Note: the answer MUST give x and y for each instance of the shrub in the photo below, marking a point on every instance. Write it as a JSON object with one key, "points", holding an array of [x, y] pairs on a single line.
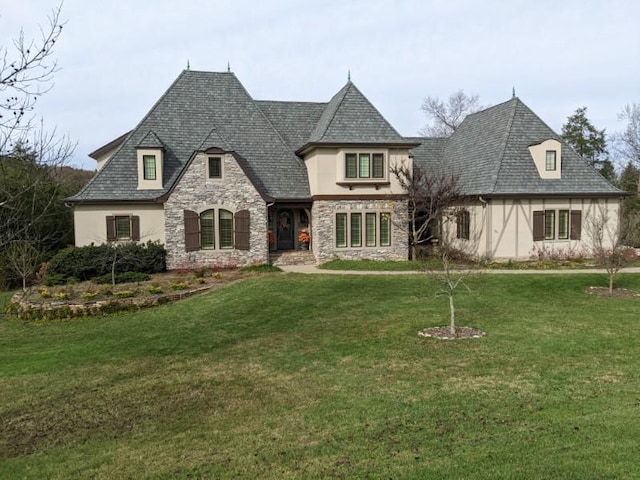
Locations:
{"points": [[85, 263]]}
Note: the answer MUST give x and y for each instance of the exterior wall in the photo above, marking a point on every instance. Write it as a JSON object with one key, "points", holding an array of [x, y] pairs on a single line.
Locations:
{"points": [[323, 242], [90, 221], [503, 228], [326, 169], [159, 156], [196, 192], [539, 154]]}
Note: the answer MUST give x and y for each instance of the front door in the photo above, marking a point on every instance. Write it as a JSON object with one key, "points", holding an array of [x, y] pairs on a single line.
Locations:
{"points": [[285, 230]]}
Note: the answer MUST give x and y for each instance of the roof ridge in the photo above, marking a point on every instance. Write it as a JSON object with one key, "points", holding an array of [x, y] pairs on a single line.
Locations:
{"points": [[515, 101], [342, 91]]}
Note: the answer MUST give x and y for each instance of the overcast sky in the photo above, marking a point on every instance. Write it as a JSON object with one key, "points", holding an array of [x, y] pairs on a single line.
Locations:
{"points": [[117, 57]]}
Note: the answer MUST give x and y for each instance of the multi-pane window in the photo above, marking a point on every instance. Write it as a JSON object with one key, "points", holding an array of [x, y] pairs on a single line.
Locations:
{"points": [[563, 224], [557, 225], [364, 165], [463, 224], [370, 229], [215, 167], [550, 160], [149, 167], [123, 228], [549, 224], [226, 229], [209, 232], [350, 229]]}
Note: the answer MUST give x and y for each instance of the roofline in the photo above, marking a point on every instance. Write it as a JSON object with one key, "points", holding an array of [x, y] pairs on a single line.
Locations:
{"points": [[111, 201], [555, 195], [112, 144], [310, 146]]}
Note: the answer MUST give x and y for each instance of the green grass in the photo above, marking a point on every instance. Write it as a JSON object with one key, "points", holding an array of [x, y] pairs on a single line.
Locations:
{"points": [[380, 265], [293, 376]]}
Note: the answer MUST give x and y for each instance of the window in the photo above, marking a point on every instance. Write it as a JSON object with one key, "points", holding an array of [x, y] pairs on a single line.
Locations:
{"points": [[549, 224], [557, 225], [215, 167], [370, 229], [563, 224], [550, 161], [349, 229], [149, 167], [341, 230], [216, 229], [364, 165], [123, 228], [463, 224]]}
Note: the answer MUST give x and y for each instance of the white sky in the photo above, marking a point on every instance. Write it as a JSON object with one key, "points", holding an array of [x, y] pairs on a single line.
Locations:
{"points": [[117, 57]]}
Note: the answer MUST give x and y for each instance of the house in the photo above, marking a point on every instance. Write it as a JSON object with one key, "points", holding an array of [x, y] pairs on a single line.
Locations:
{"points": [[222, 179]]}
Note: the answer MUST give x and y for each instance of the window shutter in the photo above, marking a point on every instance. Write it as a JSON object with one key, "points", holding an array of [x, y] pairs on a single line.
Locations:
{"points": [[242, 225], [111, 229], [191, 231], [538, 225], [576, 224], [459, 225], [135, 228]]}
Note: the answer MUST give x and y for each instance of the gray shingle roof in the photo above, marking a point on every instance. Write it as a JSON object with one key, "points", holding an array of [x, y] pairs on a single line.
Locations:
{"points": [[490, 152], [197, 109], [294, 120], [150, 140], [350, 118]]}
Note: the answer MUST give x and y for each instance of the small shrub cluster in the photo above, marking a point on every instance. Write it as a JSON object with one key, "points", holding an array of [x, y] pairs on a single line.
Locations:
{"points": [[85, 263]]}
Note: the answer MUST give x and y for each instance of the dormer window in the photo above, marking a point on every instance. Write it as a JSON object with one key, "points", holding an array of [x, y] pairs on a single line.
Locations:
{"points": [[150, 153], [547, 158], [149, 167], [364, 165], [550, 161]]}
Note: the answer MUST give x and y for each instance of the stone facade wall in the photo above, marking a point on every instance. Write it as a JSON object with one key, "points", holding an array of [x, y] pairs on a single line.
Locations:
{"points": [[232, 192], [324, 218]]}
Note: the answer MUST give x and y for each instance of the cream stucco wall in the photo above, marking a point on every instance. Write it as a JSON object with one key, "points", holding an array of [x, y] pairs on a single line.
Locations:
{"points": [[90, 221], [539, 154], [503, 228], [326, 170]]}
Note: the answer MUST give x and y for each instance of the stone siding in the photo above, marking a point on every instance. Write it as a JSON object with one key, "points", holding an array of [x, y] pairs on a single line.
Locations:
{"points": [[232, 192], [324, 214]]}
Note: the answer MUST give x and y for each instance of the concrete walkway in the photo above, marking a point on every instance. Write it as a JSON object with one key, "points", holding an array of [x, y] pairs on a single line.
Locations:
{"points": [[312, 269]]}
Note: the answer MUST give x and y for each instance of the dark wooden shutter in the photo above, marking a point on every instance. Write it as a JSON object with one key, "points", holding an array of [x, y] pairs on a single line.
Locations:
{"points": [[135, 228], [576, 224], [242, 225], [191, 231], [538, 225], [459, 225], [111, 229]]}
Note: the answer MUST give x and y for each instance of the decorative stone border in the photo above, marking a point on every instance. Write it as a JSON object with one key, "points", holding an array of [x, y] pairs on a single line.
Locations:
{"points": [[58, 309]]}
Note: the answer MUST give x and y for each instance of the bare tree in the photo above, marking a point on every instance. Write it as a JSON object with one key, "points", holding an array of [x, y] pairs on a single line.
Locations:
{"points": [[432, 197], [444, 117], [22, 259], [29, 155], [449, 280], [607, 249], [629, 139]]}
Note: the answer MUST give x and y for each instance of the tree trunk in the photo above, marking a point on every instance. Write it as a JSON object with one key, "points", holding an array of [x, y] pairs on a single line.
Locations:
{"points": [[611, 283], [452, 309]]}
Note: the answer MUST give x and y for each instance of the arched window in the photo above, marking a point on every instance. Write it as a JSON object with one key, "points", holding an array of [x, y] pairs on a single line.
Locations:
{"points": [[215, 229]]}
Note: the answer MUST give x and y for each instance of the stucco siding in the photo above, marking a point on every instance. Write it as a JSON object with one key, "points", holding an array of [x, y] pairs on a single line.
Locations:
{"points": [[90, 221]]}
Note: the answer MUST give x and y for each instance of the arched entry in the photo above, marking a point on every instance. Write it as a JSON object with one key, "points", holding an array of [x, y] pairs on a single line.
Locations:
{"points": [[285, 230]]}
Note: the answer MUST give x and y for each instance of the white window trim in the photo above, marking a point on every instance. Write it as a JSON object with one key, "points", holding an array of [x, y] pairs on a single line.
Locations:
{"points": [[342, 166]]}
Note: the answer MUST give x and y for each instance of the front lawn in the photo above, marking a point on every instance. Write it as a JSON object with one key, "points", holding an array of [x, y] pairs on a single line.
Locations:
{"points": [[303, 376]]}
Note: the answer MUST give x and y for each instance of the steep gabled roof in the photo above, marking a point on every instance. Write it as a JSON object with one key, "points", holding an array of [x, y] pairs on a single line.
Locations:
{"points": [[490, 151], [349, 118], [150, 140], [201, 107]]}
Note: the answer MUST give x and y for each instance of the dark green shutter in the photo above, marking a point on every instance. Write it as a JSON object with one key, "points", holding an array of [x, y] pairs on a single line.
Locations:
{"points": [[538, 225], [135, 228], [111, 229], [576, 224]]}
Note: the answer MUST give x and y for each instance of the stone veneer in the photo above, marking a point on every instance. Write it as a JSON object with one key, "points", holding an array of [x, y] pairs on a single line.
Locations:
{"points": [[323, 214], [232, 192]]}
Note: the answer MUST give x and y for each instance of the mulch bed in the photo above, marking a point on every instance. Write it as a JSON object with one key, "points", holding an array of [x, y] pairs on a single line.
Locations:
{"points": [[444, 333], [617, 292]]}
